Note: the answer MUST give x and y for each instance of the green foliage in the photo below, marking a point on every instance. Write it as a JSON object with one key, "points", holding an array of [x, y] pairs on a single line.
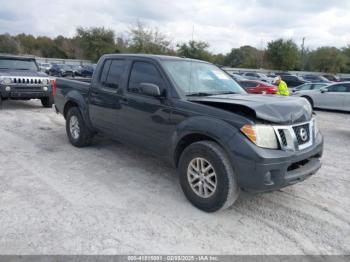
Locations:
{"points": [[245, 57], [91, 43], [195, 50], [95, 42], [148, 40], [327, 59], [283, 54], [8, 44]]}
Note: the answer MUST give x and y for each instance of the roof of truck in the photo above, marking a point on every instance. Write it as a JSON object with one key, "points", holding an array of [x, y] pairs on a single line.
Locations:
{"points": [[156, 57]]}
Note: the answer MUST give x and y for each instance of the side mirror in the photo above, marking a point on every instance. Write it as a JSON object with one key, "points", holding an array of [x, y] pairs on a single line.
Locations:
{"points": [[323, 89], [150, 89]]}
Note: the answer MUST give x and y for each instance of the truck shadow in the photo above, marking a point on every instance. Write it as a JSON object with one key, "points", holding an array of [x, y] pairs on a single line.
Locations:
{"points": [[20, 104]]}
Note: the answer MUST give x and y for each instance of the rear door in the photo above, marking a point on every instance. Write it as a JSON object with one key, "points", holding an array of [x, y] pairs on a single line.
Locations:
{"points": [[346, 104], [104, 99], [144, 120]]}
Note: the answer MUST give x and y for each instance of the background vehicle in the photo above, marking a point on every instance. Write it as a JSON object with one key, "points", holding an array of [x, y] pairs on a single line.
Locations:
{"points": [[331, 78], [76, 69], [292, 80], [309, 86], [237, 77], [335, 96], [316, 79], [87, 71], [197, 117], [45, 67], [21, 79], [61, 70], [258, 87], [257, 76], [344, 79]]}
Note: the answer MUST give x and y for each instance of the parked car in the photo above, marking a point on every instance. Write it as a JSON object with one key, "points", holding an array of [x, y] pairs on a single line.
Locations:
{"points": [[344, 79], [61, 70], [331, 77], [237, 77], [45, 67], [334, 96], [310, 86], [76, 69], [258, 87], [87, 71], [293, 80], [257, 76], [316, 79], [196, 116], [21, 79]]}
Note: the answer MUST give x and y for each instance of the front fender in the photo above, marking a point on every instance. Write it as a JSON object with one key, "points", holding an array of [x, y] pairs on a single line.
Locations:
{"points": [[218, 130]]}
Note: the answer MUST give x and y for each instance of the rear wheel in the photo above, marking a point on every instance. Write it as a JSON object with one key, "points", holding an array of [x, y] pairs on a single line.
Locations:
{"points": [[206, 176], [78, 133]]}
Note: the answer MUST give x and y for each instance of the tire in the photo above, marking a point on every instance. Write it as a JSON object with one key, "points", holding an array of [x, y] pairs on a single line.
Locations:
{"points": [[47, 101], [83, 136], [226, 191], [309, 99]]}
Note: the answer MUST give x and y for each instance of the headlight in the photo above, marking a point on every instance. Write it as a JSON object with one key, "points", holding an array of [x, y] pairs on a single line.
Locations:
{"points": [[5, 81], [261, 135], [45, 82]]}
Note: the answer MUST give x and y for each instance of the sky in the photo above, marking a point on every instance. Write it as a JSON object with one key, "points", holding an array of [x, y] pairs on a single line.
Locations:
{"points": [[224, 24]]}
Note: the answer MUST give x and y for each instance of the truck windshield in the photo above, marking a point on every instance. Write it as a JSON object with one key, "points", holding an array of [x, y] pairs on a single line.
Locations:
{"points": [[201, 78], [17, 64]]}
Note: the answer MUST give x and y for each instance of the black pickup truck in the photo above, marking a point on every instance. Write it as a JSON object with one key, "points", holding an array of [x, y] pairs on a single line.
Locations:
{"points": [[193, 114], [21, 79]]}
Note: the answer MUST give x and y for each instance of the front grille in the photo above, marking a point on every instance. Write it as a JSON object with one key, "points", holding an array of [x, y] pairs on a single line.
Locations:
{"points": [[283, 137], [302, 133], [295, 137], [27, 88], [29, 81]]}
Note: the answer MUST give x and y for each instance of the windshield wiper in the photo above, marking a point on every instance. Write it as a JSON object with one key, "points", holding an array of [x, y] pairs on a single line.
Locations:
{"points": [[22, 69], [226, 93]]}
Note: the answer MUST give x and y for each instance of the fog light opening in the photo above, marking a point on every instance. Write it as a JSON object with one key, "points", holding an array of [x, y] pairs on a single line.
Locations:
{"points": [[45, 88], [8, 89], [268, 179]]}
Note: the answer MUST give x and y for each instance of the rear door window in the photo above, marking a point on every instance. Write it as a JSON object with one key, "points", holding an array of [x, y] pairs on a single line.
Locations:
{"points": [[113, 72]]}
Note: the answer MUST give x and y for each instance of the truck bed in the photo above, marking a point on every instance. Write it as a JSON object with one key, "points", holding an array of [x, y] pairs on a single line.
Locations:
{"points": [[65, 86]]}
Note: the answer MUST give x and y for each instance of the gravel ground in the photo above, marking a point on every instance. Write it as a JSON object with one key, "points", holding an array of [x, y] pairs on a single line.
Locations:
{"points": [[111, 199]]}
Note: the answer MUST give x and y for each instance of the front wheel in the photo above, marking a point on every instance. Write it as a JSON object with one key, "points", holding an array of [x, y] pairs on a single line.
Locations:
{"points": [[47, 101], [207, 177], [78, 133]]}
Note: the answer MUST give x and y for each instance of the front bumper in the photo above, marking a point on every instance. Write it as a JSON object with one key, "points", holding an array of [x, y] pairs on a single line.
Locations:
{"points": [[260, 169], [24, 92]]}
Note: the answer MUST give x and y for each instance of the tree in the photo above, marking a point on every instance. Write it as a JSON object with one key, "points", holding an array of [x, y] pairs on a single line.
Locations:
{"points": [[328, 59], [283, 54], [8, 44], [346, 53], [195, 50], [148, 40], [245, 57], [95, 42]]}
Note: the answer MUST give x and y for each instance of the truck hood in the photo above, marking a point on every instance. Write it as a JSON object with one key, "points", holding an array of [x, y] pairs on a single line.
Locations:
{"points": [[274, 109], [24, 73]]}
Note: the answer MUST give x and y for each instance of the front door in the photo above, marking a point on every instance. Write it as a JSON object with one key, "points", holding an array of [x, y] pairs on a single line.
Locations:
{"points": [[333, 98], [144, 120]]}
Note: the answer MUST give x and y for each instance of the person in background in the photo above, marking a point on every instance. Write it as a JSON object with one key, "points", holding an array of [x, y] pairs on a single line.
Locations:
{"points": [[281, 86]]}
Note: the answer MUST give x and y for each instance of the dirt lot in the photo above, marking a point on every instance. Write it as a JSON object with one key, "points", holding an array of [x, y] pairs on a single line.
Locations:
{"points": [[111, 199]]}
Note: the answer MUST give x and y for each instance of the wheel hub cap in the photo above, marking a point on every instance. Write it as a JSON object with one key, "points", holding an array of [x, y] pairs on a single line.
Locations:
{"points": [[74, 127], [202, 177]]}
